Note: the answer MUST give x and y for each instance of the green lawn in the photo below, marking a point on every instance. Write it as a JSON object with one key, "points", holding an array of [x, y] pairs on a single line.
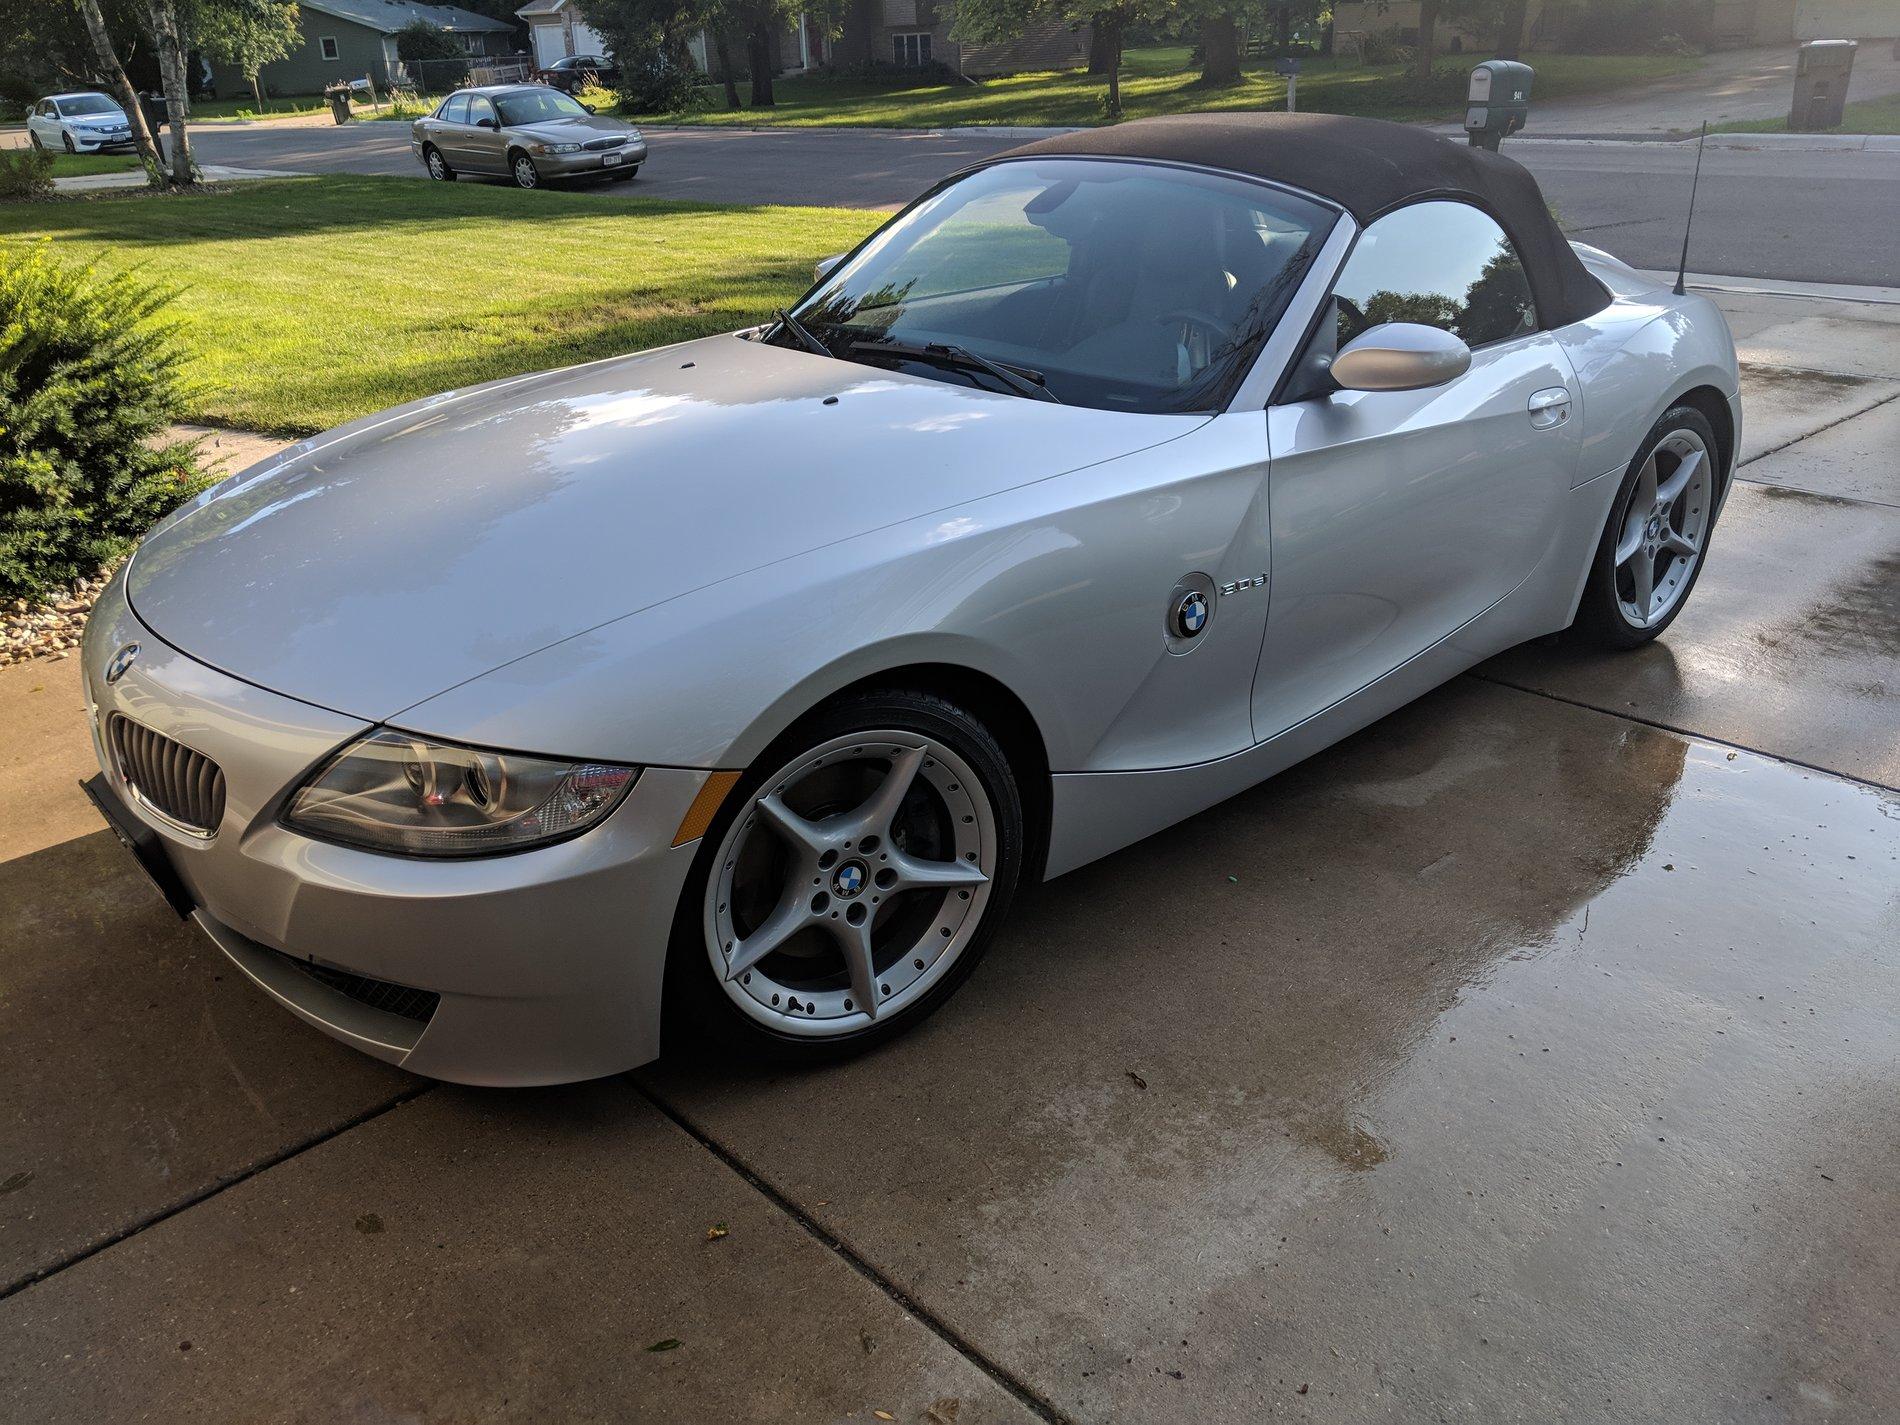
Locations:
{"points": [[1160, 82], [1867, 116], [310, 301], [244, 106], [77, 165]]}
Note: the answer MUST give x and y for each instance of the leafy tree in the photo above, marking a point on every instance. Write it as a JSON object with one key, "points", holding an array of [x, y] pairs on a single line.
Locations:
{"points": [[105, 53], [648, 40], [249, 34], [437, 58]]}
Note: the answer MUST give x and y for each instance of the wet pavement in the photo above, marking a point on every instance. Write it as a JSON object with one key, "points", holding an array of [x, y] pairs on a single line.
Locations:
{"points": [[1531, 1055]]}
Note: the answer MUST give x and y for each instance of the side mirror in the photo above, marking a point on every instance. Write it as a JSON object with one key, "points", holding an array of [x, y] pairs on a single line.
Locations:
{"points": [[486, 124], [588, 107], [1400, 356], [823, 267]]}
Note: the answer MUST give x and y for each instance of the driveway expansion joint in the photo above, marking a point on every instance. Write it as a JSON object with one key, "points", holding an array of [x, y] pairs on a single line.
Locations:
{"points": [[1020, 1391], [216, 1188]]}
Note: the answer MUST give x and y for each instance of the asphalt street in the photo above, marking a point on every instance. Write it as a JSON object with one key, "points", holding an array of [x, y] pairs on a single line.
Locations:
{"points": [[1531, 1055], [1762, 212]]}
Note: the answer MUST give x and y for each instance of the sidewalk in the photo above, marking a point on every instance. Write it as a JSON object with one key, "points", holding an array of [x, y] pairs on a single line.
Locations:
{"points": [[135, 178]]}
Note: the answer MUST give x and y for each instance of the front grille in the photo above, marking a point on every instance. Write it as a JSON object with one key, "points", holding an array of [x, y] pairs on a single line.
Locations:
{"points": [[185, 786], [594, 145], [401, 1000]]}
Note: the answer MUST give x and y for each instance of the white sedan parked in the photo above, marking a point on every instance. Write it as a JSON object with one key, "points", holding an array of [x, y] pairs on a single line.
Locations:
{"points": [[79, 123]]}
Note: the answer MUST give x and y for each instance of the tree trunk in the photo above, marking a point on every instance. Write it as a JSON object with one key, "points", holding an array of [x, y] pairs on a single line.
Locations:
{"points": [[1283, 28], [1511, 28], [1105, 41], [1107, 46], [759, 55], [722, 50], [257, 89], [1427, 23], [121, 88], [169, 49], [1220, 50]]}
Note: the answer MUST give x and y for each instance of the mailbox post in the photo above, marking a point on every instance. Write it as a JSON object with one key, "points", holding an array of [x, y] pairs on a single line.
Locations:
{"points": [[1290, 69], [1497, 102]]}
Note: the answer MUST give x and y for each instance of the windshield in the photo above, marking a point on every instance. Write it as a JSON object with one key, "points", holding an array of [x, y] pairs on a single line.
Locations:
{"points": [[86, 104], [1117, 285], [536, 106]]}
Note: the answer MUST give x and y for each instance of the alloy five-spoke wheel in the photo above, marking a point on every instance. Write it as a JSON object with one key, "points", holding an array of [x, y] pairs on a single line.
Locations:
{"points": [[851, 883], [850, 888], [1658, 533], [1665, 523]]}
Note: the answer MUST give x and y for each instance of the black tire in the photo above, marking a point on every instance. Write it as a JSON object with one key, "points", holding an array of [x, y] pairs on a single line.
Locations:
{"points": [[1601, 619], [436, 164], [702, 1022], [523, 171], [33, 140], [68, 138]]}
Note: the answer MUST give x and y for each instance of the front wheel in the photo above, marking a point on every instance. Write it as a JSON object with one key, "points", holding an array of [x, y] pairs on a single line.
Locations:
{"points": [[851, 882], [1652, 549], [438, 166], [68, 139], [526, 174]]}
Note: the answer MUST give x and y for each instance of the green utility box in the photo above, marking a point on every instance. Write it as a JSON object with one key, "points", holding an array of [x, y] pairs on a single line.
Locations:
{"points": [[1821, 73], [1497, 102]]}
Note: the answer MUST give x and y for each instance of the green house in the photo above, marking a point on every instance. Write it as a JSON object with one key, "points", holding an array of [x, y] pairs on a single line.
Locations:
{"points": [[356, 39]]}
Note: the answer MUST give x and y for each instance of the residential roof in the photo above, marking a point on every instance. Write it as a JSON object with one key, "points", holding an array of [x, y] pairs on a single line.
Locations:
{"points": [[540, 7], [389, 16]]}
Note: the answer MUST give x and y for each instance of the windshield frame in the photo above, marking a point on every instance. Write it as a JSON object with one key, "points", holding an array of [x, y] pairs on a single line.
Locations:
{"points": [[111, 106], [502, 101], [1221, 397]]}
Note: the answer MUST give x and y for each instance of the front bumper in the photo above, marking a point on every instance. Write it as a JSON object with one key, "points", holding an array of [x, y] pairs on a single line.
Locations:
{"points": [[100, 143], [591, 165], [546, 966]]}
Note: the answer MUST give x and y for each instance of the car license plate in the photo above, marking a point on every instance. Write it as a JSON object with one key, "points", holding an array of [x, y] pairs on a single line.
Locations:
{"points": [[610, 160], [141, 841]]}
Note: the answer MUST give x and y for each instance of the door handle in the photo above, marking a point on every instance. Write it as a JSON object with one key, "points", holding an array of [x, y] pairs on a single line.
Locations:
{"points": [[1549, 407]]}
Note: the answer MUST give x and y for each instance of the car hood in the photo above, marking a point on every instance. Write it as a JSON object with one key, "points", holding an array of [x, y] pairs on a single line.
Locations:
{"points": [[371, 568], [575, 130]]}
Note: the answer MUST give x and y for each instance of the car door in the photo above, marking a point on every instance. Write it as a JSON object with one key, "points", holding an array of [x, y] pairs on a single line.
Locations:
{"points": [[36, 121], [487, 149], [1399, 516], [449, 130]]}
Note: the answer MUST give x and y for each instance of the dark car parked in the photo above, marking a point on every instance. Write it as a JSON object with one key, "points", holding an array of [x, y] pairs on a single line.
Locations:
{"points": [[580, 71]]}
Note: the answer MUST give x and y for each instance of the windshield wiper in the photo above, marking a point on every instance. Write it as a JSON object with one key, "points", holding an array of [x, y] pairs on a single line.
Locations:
{"points": [[790, 323], [1021, 379]]}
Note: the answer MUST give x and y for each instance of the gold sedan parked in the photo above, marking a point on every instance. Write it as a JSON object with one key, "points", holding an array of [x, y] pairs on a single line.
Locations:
{"points": [[528, 132]]}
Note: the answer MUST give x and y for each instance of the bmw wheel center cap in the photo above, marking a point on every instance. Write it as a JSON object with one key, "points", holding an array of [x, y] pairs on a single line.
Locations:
{"points": [[848, 880], [1190, 614]]}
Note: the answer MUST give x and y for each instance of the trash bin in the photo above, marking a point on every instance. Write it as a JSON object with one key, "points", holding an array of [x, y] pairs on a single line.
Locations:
{"points": [[339, 97], [1821, 72], [1497, 102]]}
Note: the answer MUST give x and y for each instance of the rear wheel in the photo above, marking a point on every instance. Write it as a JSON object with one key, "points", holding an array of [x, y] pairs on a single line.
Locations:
{"points": [[851, 882], [525, 173], [33, 139], [437, 165], [1652, 549]]}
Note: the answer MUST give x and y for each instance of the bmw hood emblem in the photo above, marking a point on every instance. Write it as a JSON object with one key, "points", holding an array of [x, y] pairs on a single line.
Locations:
{"points": [[1190, 614], [848, 880], [121, 661]]}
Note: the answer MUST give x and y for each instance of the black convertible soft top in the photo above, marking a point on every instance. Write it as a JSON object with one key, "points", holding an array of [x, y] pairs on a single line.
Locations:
{"points": [[1368, 167]]}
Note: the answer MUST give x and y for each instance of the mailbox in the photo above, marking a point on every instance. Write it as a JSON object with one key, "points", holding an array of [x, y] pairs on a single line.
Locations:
{"points": [[1498, 101], [1820, 84]]}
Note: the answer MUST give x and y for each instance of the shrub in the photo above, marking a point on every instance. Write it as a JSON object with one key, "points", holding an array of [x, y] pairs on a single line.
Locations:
{"points": [[25, 173], [1385, 47], [653, 81], [89, 382]]}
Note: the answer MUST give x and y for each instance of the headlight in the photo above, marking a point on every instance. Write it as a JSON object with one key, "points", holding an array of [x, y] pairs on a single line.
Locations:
{"points": [[556, 148], [393, 791]]}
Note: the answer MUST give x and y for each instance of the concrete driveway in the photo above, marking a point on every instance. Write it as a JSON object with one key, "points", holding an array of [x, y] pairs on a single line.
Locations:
{"points": [[1531, 1055]]}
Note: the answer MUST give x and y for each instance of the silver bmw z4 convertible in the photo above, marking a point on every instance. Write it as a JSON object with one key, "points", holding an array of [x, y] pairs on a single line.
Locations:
{"points": [[737, 686]]}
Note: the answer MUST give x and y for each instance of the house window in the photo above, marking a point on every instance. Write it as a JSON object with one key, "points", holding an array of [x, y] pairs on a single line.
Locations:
{"points": [[326, 45], [911, 51]]}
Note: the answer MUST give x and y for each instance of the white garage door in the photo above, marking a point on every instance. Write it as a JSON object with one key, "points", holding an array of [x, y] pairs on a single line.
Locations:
{"points": [[587, 41], [547, 45]]}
